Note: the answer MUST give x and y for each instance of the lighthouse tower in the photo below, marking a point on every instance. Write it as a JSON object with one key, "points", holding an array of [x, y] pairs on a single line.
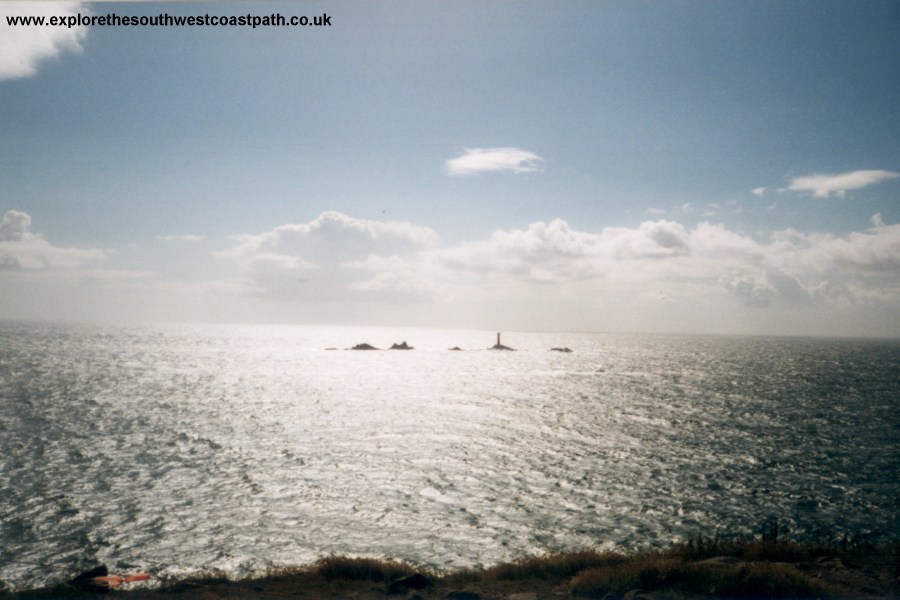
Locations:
{"points": [[498, 345]]}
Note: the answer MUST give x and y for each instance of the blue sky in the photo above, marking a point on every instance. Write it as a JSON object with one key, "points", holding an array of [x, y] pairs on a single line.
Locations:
{"points": [[663, 166]]}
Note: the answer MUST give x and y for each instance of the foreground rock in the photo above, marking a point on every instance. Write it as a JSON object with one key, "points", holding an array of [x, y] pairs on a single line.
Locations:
{"points": [[416, 581]]}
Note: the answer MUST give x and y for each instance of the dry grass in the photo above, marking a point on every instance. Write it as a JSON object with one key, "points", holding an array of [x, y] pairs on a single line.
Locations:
{"points": [[362, 569], [553, 566], [733, 567], [740, 580]]}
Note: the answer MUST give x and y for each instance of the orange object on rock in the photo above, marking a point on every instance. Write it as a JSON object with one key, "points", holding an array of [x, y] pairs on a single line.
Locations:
{"points": [[114, 581]]}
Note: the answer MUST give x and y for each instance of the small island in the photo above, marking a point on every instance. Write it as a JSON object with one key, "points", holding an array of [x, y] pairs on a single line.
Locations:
{"points": [[499, 346], [364, 346], [401, 346]]}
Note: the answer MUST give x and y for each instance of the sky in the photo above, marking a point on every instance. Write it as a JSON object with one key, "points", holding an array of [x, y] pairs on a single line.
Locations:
{"points": [[683, 166]]}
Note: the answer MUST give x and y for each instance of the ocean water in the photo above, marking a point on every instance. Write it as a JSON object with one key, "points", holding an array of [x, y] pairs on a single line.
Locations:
{"points": [[174, 449]]}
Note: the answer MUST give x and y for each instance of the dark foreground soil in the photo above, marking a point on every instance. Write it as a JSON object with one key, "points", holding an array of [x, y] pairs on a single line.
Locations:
{"points": [[746, 570]]}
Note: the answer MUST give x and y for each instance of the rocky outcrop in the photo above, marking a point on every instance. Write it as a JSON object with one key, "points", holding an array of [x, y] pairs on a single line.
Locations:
{"points": [[364, 347], [401, 346], [564, 349]]}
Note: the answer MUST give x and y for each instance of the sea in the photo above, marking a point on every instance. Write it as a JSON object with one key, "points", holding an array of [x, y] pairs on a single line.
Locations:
{"points": [[177, 449]]}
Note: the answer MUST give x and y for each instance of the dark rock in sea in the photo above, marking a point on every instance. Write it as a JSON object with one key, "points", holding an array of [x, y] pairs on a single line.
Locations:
{"points": [[565, 349], [364, 347], [401, 346], [416, 581], [456, 349]]}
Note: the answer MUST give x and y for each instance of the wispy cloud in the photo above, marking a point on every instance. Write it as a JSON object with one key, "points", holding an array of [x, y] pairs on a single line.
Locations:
{"points": [[760, 191], [23, 48], [487, 160], [823, 186]]}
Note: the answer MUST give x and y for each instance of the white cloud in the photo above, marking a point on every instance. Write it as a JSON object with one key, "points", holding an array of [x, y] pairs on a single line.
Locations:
{"points": [[338, 257], [651, 239], [876, 251], [760, 191], [750, 289], [542, 253], [823, 186], [20, 248], [657, 275], [487, 160], [336, 237], [16, 226], [331, 255], [24, 48]]}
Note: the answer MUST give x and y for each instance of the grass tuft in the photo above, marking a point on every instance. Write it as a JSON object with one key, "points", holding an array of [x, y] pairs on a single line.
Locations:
{"points": [[756, 580], [553, 566], [362, 569]]}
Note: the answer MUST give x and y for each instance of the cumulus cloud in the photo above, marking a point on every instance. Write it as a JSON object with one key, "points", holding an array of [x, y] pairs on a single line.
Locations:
{"points": [[651, 239], [336, 237], [15, 227], [336, 256], [20, 248], [549, 274], [749, 288], [541, 253], [823, 186], [23, 49], [333, 254], [873, 251], [486, 160]]}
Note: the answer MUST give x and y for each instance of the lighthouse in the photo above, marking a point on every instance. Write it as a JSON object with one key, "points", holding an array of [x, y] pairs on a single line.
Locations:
{"points": [[499, 346]]}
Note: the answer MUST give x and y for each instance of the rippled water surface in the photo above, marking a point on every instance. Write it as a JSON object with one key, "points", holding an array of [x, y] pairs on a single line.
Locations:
{"points": [[172, 449]]}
